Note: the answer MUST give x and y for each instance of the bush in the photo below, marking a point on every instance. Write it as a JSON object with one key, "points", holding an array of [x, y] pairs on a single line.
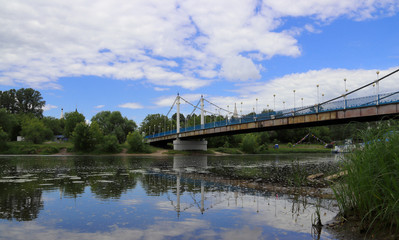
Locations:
{"points": [[249, 144], [3, 139], [263, 148], [82, 138], [370, 189], [110, 144], [34, 130], [135, 141]]}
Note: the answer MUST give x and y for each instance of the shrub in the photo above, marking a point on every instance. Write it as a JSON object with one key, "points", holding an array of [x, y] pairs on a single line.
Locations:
{"points": [[34, 130], [110, 144], [135, 141], [3, 139], [263, 148], [82, 138], [249, 144]]}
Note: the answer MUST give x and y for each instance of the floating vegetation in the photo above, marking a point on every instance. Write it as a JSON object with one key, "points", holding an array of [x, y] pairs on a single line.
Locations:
{"points": [[78, 182], [105, 181]]}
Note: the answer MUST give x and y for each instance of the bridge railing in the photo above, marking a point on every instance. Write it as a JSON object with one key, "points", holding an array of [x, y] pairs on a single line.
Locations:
{"points": [[372, 100]]}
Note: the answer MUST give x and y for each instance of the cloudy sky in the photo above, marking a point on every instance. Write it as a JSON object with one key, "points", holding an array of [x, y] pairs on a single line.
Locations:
{"points": [[135, 56]]}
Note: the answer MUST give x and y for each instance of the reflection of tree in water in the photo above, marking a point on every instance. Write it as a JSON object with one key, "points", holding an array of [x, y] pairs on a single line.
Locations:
{"points": [[22, 204], [113, 186], [157, 185]]}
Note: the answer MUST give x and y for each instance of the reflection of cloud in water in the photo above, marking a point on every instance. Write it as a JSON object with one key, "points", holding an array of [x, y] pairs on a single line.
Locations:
{"points": [[259, 211], [130, 202], [244, 233], [159, 230]]}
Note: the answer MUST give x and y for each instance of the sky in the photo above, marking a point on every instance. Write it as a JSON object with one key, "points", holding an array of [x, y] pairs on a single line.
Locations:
{"points": [[136, 56]]}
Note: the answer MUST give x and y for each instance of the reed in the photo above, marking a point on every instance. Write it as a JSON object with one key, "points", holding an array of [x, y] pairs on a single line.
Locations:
{"points": [[370, 190]]}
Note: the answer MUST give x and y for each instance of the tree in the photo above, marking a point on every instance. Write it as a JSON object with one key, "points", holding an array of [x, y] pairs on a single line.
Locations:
{"points": [[7, 121], [56, 125], [82, 138], [35, 131], [71, 120], [30, 101], [24, 100], [135, 141], [113, 123], [154, 123], [3, 139], [110, 144]]}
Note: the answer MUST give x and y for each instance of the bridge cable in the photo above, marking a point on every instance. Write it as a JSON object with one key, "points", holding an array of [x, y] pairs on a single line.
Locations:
{"points": [[171, 107]]}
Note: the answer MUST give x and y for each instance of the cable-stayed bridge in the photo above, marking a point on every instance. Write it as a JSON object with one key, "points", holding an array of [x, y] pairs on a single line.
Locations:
{"points": [[341, 109]]}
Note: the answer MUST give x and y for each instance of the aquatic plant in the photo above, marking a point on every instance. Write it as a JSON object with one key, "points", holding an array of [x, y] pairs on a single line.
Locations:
{"points": [[370, 190]]}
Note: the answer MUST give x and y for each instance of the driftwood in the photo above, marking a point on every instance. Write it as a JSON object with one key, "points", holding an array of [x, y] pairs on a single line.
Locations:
{"points": [[335, 176], [314, 176]]}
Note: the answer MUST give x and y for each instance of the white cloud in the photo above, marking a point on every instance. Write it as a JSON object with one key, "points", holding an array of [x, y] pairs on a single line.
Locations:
{"points": [[99, 106], [331, 84], [173, 43], [331, 9], [131, 105], [158, 89], [239, 68], [48, 107]]}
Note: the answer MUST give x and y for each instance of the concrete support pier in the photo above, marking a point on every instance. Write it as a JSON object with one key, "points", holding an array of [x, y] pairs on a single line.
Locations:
{"points": [[183, 145]]}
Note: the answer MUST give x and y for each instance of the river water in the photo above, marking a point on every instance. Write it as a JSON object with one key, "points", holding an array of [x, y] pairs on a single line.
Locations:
{"points": [[171, 197]]}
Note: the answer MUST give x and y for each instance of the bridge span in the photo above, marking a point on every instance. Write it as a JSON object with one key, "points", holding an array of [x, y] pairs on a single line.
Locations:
{"points": [[371, 113], [334, 111]]}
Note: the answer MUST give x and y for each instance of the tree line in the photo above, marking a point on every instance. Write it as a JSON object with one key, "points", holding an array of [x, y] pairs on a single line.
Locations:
{"points": [[21, 114]]}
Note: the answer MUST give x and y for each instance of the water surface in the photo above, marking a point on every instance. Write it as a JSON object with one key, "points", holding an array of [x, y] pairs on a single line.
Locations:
{"points": [[180, 197]]}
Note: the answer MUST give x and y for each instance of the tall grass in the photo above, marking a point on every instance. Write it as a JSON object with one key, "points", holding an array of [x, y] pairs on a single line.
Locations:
{"points": [[370, 190]]}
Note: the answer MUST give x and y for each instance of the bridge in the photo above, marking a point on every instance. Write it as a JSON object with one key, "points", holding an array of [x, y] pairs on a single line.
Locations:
{"points": [[340, 109]]}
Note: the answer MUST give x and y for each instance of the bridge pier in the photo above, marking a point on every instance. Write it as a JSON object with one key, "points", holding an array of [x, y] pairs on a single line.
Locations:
{"points": [[183, 145]]}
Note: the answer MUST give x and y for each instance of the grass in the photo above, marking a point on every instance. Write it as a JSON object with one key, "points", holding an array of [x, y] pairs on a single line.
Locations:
{"points": [[370, 190], [31, 148]]}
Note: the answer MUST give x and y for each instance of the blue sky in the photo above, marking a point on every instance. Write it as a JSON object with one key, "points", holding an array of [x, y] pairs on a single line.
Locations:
{"points": [[135, 56]]}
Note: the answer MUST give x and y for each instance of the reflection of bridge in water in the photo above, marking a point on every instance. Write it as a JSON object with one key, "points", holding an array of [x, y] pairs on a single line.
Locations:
{"points": [[334, 111], [193, 186]]}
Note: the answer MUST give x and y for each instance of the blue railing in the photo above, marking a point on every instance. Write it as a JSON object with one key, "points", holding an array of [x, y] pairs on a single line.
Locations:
{"points": [[327, 106]]}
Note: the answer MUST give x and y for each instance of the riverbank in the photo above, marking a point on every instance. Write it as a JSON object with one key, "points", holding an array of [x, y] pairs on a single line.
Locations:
{"points": [[66, 148]]}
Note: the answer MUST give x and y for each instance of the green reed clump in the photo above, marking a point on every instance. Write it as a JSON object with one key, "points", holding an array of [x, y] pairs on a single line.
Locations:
{"points": [[370, 190]]}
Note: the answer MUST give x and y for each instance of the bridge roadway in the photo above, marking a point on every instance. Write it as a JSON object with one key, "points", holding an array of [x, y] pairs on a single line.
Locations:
{"points": [[359, 114]]}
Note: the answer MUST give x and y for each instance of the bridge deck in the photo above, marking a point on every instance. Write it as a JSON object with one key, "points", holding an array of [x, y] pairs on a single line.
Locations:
{"points": [[369, 113]]}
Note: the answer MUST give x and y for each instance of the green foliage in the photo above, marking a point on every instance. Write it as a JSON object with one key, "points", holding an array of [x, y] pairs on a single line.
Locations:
{"points": [[3, 139], [263, 148], [153, 123], [135, 141], [110, 144], [34, 130], [56, 125], [31, 148], [71, 121], [22, 101], [289, 145], [96, 133], [370, 189], [113, 123], [82, 138], [249, 144]]}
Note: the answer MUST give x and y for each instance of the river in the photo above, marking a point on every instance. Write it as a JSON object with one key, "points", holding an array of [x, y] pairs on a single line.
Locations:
{"points": [[170, 197]]}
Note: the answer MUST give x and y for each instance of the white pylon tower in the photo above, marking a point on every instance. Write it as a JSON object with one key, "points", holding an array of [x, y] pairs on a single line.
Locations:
{"points": [[235, 114], [202, 112], [178, 114], [62, 113]]}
